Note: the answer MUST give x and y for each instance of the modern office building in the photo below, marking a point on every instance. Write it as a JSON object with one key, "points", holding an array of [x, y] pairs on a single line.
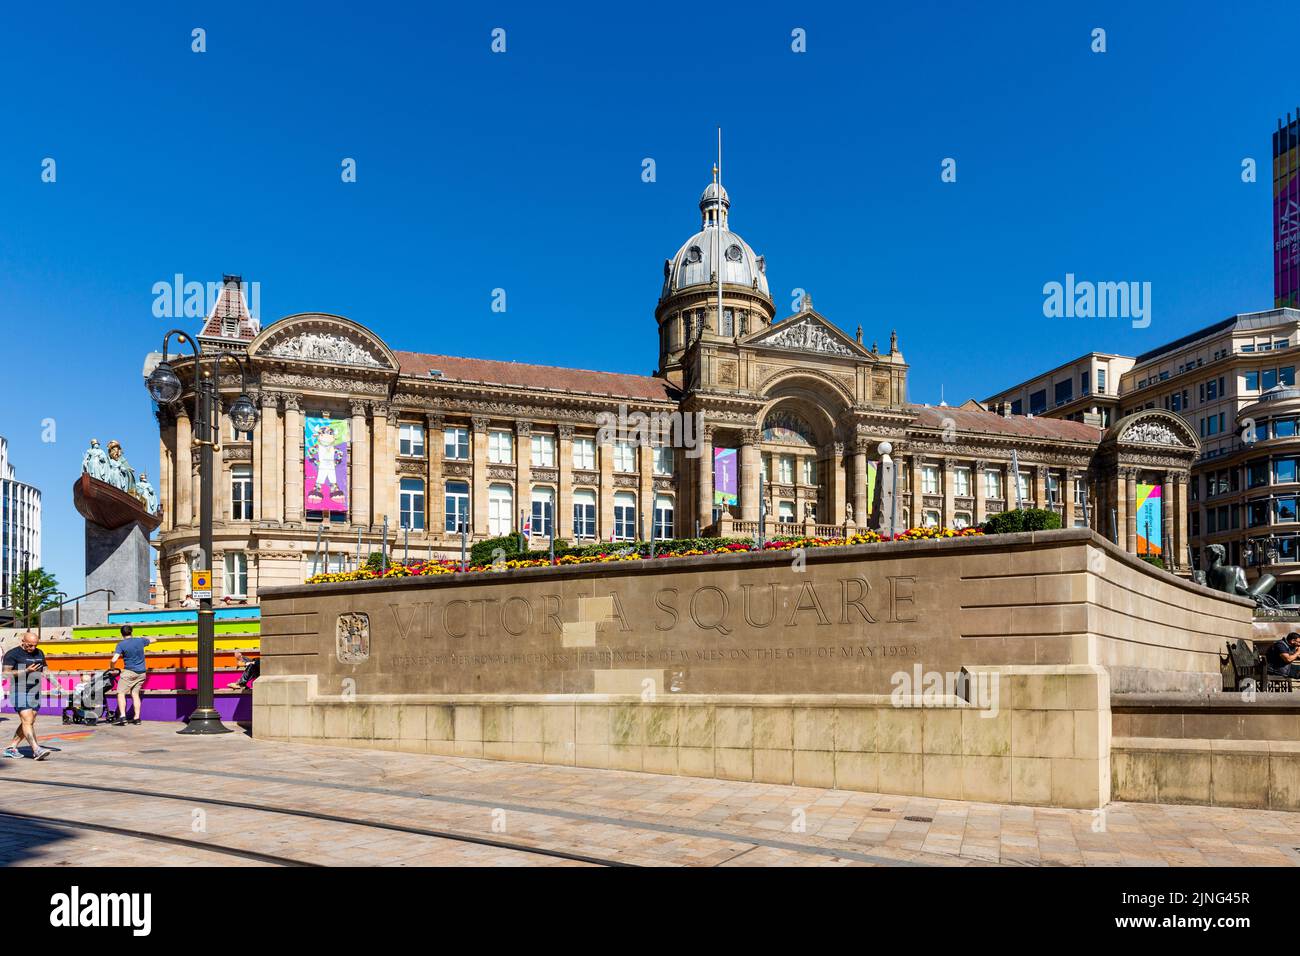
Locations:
{"points": [[20, 526], [1286, 213]]}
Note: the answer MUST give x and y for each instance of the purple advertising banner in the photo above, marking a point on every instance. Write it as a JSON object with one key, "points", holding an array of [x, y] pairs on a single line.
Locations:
{"points": [[724, 476], [325, 464], [1286, 216]]}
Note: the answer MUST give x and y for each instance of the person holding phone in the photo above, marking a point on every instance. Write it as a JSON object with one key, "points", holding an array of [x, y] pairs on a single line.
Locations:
{"points": [[23, 665]]}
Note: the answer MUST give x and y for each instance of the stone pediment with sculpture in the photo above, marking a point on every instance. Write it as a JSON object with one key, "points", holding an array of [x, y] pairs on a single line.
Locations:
{"points": [[325, 340], [807, 333]]}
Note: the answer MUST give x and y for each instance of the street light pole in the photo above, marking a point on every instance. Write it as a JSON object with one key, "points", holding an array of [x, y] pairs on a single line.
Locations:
{"points": [[165, 387]]}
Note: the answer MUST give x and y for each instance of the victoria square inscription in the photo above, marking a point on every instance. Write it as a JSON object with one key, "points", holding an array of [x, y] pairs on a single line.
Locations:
{"points": [[683, 628]]}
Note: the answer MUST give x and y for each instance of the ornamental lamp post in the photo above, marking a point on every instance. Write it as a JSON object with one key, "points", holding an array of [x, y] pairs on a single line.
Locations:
{"points": [[165, 388]]}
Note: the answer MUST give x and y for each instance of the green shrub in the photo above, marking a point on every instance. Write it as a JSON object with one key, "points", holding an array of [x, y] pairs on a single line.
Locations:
{"points": [[1023, 519], [484, 552], [1155, 559]]}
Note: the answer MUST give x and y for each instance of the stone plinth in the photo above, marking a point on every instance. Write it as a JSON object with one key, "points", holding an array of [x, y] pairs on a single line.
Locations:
{"points": [[760, 666], [118, 559]]}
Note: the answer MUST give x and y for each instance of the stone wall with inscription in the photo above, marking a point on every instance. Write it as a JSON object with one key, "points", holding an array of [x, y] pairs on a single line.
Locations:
{"points": [[825, 621]]}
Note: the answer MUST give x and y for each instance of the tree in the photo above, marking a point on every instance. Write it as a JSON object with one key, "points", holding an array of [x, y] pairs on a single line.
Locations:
{"points": [[34, 591]]}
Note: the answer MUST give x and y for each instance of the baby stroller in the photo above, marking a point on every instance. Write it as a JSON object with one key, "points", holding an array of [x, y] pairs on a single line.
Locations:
{"points": [[89, 701]]}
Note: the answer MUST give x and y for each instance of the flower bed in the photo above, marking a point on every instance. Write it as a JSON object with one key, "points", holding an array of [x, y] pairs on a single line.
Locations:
{"points": [[607, 553]]}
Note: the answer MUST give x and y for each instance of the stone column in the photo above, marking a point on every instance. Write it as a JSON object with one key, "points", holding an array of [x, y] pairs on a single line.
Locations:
{"points": [[646, 489], [918, 496], [977, 492], [166, 473], [434, 499], [1130, 509], [267, 425], [523, 472], [1067, 494], [835, 487], [749, 473], [704, 479], [1040, 487], [392, 499], [605, 496], [1167, 547], [1181, 554], [949, 507], [220, 477], [293, 460], [361, 486], [183, 470], [478, 504], [1117, 523], [384, 467], [860, 516], [564, 493]]}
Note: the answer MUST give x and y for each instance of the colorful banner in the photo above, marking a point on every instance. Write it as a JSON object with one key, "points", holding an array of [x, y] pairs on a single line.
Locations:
{"points": [[1286, 216], [1148, 519], [325, 464], [724, 476], [872, 468]]}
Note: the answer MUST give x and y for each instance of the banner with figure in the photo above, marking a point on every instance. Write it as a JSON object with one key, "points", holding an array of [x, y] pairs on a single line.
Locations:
{"points": [[724, 476], [325, 464], [1148, 519]]}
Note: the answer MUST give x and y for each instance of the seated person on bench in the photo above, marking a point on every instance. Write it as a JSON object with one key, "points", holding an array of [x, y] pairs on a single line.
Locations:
{"points": [[1282, 656], [253, 666]]}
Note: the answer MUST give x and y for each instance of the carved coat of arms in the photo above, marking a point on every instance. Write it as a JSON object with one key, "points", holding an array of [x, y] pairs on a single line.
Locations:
{"points": [[352, 638]]}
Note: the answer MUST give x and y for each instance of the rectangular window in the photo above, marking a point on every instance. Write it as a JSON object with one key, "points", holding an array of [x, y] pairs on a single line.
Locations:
{"points": [[1286, 376], [930, 519], [456, 443], [785, 469], [766, 461], [1063, 391], [543, 451], [961, 482], [501, 447], [624, 456], [1083, 383], [584, 453], [236, 574], [241, 493], [624, 516], [411, 503], [457, 510], [1053, 489], [663, 524], [1285, 509], [663, 463], [810, 471], [501, 510], [992, 483], [929, 480], [1251, 381], [543, 512], [1038, 402], [1101, 381], [1256, 515], [1283, 470], [1268, 378], [410, 438], [1017, 407], [1024, 487], [961, 519], [584, 514], [785, 511], [1284, 428]]}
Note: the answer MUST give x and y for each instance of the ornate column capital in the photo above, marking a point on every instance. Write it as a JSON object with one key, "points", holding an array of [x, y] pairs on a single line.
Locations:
{"points": [[480, 424], [359, 408], [269, 400], [292, 403], [435, 421], [862, 444], [566, 431], [707, 431], [378, 410], [750, 436], [980, 464], [523, 428]]}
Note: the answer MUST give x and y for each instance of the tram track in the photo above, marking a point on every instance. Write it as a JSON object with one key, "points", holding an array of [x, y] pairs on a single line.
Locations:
{"points": [[447, 835]]}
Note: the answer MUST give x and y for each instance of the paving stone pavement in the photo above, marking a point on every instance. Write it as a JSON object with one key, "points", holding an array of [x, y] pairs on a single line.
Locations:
{"points": [[177, 800]]}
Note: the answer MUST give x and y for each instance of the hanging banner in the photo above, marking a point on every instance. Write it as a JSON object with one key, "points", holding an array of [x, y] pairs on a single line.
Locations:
{"points": [[724, 476], [872, 467], [1148, 519], [325, 464]]}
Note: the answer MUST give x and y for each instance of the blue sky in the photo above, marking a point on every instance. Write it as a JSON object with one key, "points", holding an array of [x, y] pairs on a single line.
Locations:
{"points": [[522, 171]]}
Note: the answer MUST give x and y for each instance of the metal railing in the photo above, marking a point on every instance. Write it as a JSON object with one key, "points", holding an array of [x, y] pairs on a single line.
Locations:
{"points": [[76, 603]]}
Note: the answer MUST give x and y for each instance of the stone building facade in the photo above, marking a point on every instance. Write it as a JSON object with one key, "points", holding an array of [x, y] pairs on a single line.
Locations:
{"points": [[442, 445]]}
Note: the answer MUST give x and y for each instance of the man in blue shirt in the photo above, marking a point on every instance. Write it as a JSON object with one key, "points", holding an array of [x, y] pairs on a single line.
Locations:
{"points": [[130, 650], [22, 666], [1281, 656]]}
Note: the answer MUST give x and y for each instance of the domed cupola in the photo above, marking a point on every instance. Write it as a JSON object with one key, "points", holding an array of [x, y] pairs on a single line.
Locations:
{"points": [[688, 302]]}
